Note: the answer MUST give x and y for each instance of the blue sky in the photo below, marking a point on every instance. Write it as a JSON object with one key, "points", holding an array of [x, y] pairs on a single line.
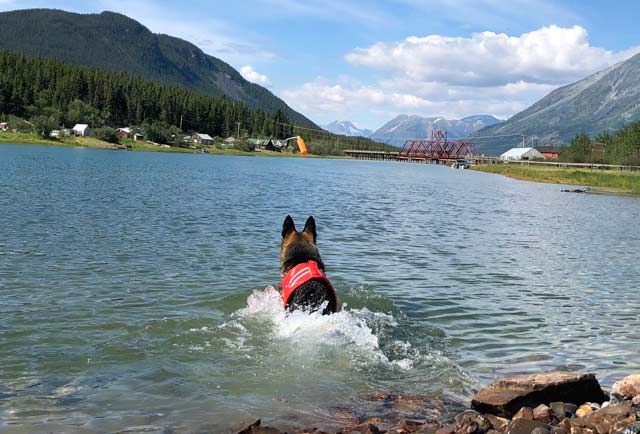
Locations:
{"points": [[370, 61]]}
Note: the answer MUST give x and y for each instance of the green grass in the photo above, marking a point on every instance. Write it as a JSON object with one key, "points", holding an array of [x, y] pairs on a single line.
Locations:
{"points": [[602, 180]]}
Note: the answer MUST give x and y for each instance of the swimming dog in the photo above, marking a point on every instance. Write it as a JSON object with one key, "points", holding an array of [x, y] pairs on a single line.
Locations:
{"points": [[304, 284]]}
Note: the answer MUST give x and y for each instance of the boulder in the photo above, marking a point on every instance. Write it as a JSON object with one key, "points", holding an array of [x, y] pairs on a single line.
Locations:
{"points": [[628, 387], [506, 396], [524, 426]]}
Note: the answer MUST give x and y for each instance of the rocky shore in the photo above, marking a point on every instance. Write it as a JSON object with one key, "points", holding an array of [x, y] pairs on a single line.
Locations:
{"points": [[547, 403]]}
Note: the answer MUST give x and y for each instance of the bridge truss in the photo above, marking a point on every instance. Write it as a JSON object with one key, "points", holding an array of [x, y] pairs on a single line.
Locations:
{"points": [[437, 148]]}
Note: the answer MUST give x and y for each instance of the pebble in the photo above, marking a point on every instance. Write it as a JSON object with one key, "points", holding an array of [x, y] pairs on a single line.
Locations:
{"points": [[584, 410], [543, 413], [634, 428]]}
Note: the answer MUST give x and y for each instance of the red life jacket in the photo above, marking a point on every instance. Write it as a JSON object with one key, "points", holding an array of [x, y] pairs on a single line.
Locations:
{"points": [[301, 274]]}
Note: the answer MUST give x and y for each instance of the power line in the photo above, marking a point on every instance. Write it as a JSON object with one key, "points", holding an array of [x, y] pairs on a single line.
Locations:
{"points": [[399, 138]]}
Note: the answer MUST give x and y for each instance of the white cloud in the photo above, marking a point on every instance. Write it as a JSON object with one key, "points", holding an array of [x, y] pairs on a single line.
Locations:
{"points": [[549, 55], [326, 100], [486, 73], [254, 76]]}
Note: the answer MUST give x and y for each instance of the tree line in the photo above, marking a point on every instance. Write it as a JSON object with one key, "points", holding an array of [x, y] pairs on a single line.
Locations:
{"points": [[50, 94], [621, 147]]}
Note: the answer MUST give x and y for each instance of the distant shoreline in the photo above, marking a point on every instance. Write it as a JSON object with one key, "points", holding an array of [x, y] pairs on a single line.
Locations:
{"points": [[600, 181], [10, 138]]}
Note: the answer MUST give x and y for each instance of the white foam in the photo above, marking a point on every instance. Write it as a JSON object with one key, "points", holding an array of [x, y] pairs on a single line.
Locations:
{"points": [[349, 330]]}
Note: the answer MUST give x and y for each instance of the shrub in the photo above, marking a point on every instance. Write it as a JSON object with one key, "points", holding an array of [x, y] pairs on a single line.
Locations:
{"points": [[107, 134]]}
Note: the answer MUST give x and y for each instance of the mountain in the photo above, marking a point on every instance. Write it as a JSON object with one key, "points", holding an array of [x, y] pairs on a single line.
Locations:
{"points": [[113, 41], [604, 101], [405, 127], [346, 128]]}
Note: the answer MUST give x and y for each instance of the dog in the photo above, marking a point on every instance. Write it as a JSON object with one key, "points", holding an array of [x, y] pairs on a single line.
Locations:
{"points": [[304, 285]]}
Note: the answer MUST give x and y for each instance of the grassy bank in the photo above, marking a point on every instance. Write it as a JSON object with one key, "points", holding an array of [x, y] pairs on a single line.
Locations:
{"points": [[600, 180], [90, 142]]}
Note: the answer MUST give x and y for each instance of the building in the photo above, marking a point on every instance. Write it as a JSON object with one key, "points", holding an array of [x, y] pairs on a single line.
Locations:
{"points": [[82, 130], [138, 136], [599, 150], [515, 154], [202, 139], [279, 145], [4, 126], [550, 152], [123, 133]]}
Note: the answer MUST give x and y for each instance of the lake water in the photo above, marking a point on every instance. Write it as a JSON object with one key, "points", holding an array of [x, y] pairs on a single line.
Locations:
{"points": [[134, 287]]}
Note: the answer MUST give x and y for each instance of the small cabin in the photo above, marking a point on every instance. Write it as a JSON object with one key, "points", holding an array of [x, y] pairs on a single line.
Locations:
{"points": [[202, 139], [4, 126], [123, 133]]}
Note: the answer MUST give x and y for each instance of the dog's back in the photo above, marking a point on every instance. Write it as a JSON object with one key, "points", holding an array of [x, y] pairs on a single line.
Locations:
{"points": [[298, 248], [311, 296]]}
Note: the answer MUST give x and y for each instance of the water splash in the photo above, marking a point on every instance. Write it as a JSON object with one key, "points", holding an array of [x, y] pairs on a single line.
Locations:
{"points": [[355, 332]]}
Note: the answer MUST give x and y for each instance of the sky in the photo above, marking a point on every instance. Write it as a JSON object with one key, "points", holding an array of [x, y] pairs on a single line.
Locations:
{"points": [[369, 61]]}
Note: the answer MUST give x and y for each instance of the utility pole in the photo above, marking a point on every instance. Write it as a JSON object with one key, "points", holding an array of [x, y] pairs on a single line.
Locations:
{"points": [[238, 137], [180, 122]]}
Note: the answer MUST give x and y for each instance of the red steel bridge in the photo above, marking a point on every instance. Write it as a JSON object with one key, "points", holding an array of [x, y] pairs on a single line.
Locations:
{"points": [[437, 148]]}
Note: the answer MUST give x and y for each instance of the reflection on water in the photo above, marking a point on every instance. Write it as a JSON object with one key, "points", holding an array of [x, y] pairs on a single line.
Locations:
{"points": [[134, 287]]}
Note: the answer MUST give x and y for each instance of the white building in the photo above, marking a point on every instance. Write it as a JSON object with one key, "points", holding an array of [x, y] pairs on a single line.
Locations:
{"points": [[522, 154], [82, 130]]}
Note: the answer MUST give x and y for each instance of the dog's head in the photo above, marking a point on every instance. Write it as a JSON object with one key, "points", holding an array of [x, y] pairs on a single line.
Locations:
{"points": [[298, 247]]}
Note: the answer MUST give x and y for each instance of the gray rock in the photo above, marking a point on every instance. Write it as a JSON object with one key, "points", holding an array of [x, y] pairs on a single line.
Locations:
{"points": [[563, 409], [471, 421]]}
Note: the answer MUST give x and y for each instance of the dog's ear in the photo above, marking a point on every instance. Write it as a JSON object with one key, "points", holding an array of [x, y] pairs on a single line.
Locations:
{"points": [[288, 226], [310, 227]]}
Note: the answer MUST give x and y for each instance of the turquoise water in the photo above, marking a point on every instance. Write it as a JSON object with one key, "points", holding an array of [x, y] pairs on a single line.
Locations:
{"points": [[134, 287]]}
